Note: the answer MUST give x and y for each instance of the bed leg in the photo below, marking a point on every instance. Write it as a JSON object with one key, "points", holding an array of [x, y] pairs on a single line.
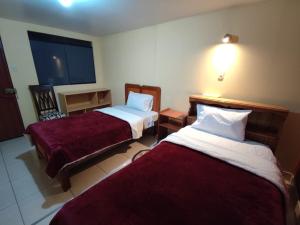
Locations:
{"points": [[39, 154], [65, 184], [64, 179]]}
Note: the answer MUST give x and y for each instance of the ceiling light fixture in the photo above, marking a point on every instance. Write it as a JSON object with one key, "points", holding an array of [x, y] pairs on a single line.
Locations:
{"points": [[66, 3]]}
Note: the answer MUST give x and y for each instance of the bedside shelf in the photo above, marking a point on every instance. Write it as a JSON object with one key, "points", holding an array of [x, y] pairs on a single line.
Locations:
{"points": [[77, 102], [82, 106], [170, 126], [170, 121]]}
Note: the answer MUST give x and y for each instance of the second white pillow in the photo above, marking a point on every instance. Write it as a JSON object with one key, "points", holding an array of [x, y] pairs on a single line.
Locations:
{"points": [[230, 123]]}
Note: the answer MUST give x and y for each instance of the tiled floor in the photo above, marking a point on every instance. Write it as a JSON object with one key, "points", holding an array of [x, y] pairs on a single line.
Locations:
{"points": [[28, 196]]}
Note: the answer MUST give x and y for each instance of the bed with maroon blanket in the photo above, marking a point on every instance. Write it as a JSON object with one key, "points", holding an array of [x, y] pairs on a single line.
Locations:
{"points": [[175, 185], [69, 139]]}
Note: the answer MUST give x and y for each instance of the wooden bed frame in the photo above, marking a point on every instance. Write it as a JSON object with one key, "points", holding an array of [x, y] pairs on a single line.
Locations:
{"points": [[264, 123], [69, 169], [150, 90]]}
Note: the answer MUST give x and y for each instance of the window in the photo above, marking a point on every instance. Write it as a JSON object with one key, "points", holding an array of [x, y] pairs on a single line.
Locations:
{"points": [[61, 61]]}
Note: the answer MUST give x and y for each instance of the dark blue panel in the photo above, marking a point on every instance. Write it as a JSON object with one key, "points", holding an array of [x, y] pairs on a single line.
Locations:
{"points": [[50, 62], [80, 64]]}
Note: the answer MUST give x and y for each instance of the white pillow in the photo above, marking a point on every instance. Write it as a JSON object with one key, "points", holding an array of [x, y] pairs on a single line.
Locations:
{"points": [[230, 123], [139, 101]]}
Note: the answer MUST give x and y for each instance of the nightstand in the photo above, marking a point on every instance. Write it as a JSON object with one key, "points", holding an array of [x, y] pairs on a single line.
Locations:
{"points": [[170, 121]]}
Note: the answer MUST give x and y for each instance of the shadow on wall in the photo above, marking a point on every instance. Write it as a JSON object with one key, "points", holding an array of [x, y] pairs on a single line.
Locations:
{"points": [[288, 151]]}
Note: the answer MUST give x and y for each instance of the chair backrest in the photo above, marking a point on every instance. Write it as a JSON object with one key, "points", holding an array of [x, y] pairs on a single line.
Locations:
{"points": [[44, 98]]}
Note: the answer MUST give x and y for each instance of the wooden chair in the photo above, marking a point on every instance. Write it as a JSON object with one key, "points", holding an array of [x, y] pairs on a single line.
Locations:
{"points": [[45, 102]]}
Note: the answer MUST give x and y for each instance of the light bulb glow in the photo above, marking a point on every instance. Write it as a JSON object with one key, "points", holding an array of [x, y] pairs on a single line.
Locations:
{"points": [[225, 39], [66, 3], [224, 57]]}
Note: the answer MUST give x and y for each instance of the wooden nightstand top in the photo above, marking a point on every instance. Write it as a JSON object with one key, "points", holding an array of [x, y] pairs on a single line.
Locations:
{"points": [[173, 114]]}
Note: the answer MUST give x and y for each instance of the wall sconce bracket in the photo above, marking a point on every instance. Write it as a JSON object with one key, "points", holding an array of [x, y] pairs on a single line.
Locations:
{"points": [[221, 77], [230, 38]]}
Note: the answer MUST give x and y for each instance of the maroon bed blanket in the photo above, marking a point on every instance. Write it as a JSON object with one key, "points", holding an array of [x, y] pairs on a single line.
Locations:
{"points": [[71, 138], [174, 185]]}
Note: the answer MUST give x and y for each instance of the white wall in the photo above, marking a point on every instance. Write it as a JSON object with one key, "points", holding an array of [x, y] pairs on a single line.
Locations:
{"points": [[22, 70], [178, 55]]}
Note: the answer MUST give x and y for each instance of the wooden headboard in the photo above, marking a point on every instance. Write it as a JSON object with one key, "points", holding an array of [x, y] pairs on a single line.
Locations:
{"points": [[264, 123], [150, 90], [131, 87]]}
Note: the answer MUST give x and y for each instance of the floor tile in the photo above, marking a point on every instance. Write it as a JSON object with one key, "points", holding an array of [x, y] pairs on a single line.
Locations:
{"points": [[7, 197], [86, 179], [10, 216], [12, 149], [3, 173], [46, 220], [26, 164], [113, 163], [38, 182], [39, 204]]}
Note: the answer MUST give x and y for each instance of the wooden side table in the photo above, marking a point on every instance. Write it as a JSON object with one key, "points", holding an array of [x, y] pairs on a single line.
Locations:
{"points": [[170, 121]]}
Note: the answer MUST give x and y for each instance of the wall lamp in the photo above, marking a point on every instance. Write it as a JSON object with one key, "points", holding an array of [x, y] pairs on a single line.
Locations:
{"points": [[225, 55], [230, 38]]}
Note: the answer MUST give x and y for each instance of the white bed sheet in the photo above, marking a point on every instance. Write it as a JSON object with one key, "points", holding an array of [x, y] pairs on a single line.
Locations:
{"points": [[251, 156], [148, 117]]}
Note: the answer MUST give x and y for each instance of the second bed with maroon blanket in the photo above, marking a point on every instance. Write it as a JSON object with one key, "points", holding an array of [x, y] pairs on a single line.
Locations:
{"points": [[176, 185], [71, 138]]}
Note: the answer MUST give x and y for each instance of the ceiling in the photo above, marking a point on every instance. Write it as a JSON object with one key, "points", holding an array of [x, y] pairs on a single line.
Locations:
{"points": [[102, 17]]}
